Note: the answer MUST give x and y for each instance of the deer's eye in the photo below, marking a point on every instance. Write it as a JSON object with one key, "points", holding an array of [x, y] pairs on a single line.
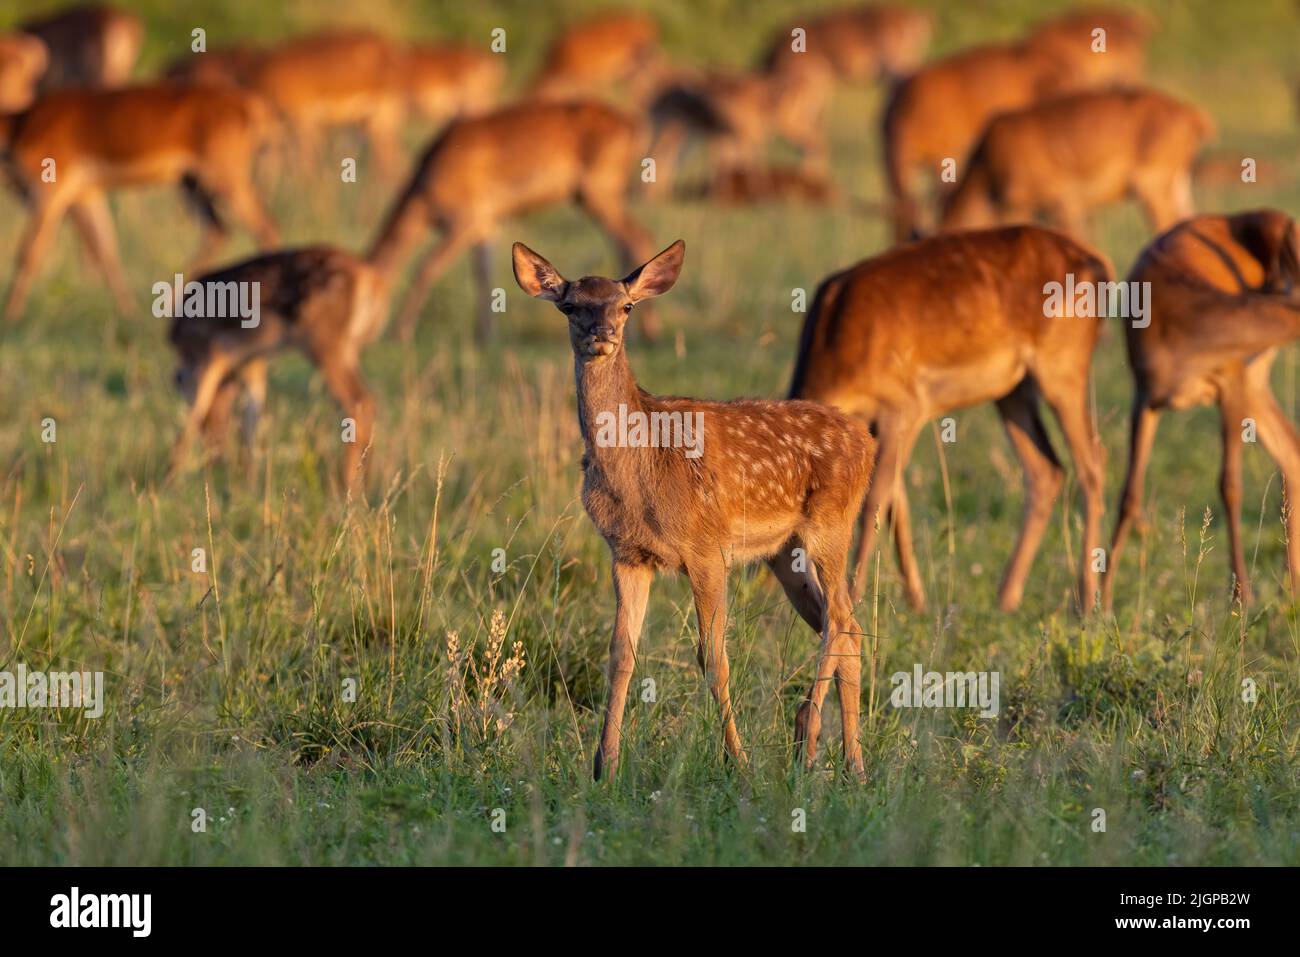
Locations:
{"points": [[627, 307]]}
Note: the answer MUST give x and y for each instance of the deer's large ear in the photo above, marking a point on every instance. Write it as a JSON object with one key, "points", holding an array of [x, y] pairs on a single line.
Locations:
{"points": [[536, 276], [658, 275]]}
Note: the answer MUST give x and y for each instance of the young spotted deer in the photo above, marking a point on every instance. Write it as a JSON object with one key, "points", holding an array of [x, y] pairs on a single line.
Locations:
{"points": [[482, 170], [1225, 296], [881, 345], [1068, 156], [326, 303], [778, 481], [73, 146]]}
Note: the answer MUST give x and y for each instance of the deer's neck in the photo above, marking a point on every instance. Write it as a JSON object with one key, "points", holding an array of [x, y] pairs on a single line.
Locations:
{"points": [[604, 385]]}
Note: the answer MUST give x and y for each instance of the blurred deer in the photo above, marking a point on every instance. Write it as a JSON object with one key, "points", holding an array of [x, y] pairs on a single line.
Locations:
{"points": [[857, 43], [880, 345], [934, 117], [72, 146], [738, 114], [483, 170], [1067, 156], [90, 46], [337, 79], [323, 302], [23, 59], [610, 55], [1224, 297], [1100, 46], [749, 480], [448, 80]]}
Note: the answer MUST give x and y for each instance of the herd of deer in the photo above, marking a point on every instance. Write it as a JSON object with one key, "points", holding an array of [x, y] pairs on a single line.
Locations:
{"points": [[1051, 126]]}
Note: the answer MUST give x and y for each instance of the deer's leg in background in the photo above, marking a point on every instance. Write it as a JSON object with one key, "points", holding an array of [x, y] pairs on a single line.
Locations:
{"points": [[208, 383], [1278, 436], [631, 592], [344, 382], [798, 578], [1231, 411], [481, 256], [1068, 396], [435, 263], [213, 231], [1044, 477], [32, 247], [1142, 436], [846, 650], [94, 222]]}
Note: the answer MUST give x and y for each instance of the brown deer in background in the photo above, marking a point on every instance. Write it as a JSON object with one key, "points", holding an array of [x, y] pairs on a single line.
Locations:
{"points": [[767, 480], [1116, 56], [609, 55], [73, 146], [1067, 156], [483, 170], [858, 43], [321, 301], [90, 46], [23, 59], [1225, 296], [949, 322]]}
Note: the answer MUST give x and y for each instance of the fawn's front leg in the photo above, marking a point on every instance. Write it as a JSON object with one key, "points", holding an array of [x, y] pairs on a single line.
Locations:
{"points": [[709, 584], [631, 591]]}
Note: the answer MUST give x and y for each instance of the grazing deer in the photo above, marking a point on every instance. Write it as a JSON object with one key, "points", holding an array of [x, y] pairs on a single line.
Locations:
{"points": [[1224, 297], [447, 80], [857, 43], [777, 481], [228, 66], [935, 115], [72, 146], [328, 80], [1067, 156], [738, 113], [881, 345], [23, 59], [613, 54], [1116, 55], [483, 170], [326, 303], [90, 46]]}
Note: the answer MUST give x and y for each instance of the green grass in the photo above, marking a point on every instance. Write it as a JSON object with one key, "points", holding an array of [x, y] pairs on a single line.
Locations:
{"points": [[226, 689]]}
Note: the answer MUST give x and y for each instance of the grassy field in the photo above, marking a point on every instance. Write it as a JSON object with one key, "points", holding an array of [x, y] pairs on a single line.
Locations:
{"points": [[228, 690]]}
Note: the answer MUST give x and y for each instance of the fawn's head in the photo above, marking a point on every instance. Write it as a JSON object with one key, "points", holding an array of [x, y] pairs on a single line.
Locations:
{"points": [[597, 308]]}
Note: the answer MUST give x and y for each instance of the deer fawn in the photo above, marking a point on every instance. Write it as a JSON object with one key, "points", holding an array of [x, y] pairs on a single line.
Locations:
{"points": [[73, 145], [881, 345], [762, 480], [90, 46], [1225, 296], [1069, 155], [483, 169], [857, 43], [324, 302]]}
